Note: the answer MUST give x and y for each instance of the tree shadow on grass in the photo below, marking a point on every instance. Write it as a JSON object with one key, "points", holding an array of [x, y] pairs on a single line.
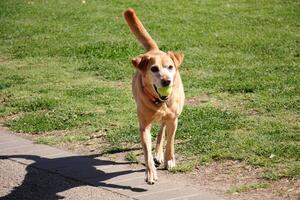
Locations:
{"points": [[83, 170]]}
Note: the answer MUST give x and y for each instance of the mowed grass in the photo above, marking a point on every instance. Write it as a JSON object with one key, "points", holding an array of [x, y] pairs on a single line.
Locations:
{"points": [[65, 66]]}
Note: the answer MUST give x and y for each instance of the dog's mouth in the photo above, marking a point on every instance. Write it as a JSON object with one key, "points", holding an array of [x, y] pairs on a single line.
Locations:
{"points": [[163, 98]]}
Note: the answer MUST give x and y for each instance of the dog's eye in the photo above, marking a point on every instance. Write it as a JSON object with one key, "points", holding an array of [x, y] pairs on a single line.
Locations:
{"points": [[170, 67], [154, 69]]}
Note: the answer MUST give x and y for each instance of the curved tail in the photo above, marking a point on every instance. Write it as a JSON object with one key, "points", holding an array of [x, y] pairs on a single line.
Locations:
{"points": [[139, 30]]}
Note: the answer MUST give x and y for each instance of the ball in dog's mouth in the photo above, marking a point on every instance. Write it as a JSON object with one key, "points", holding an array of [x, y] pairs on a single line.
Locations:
{"points": [[163, 92]]}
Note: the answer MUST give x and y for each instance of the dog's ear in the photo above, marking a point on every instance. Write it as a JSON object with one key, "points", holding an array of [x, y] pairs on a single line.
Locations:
{"points": [[176, 57], [141, 62]]}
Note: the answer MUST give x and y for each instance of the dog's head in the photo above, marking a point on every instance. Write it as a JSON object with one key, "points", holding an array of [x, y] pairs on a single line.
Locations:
{"points": [[158, 68]]}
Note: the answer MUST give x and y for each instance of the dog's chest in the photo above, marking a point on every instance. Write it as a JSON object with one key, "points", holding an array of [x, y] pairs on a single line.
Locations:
{"points": [[164, 112]]}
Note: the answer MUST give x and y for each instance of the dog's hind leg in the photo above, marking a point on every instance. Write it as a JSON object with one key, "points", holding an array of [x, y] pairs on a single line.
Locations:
{"points": [[171, 127], [159, 152]]}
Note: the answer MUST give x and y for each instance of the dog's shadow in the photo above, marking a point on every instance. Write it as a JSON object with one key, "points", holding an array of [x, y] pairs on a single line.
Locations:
{"points": [[37, 186]]}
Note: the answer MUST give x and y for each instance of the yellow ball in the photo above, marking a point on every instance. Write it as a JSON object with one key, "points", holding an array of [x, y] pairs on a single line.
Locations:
{"points": [[165, 91]]}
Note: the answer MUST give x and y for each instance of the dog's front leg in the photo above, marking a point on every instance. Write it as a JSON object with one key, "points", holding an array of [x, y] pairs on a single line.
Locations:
{"points": [[159, 153], [145, 135], [171, 126]]}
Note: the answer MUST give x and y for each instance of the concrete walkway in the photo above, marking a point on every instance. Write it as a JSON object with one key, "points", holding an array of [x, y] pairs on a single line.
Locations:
{"points": [[118, 177]]}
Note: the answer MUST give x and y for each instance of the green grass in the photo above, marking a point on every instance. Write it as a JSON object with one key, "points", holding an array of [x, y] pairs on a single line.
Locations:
{"points": [[66, 65], [186, 166], [116, 149], [132, 157], [51, 140], [248, 187]]}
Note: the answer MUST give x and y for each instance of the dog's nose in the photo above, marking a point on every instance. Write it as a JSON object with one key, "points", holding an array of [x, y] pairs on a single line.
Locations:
{"points": [[165, 82]]}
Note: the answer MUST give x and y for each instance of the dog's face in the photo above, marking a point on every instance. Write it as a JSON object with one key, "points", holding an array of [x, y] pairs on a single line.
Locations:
{"points": [[158, 69]]}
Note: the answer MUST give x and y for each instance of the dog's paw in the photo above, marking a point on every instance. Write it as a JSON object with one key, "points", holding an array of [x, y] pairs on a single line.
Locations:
{"points": [[151, 177], [158, 159], [157, 163], [170, 164]]}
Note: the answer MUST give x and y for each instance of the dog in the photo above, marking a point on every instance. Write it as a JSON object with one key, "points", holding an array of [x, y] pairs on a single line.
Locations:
{"points": [[155, 69]]}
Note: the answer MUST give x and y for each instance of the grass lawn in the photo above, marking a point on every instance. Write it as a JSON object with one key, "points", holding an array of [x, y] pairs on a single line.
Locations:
{"points": [[65, 68]]}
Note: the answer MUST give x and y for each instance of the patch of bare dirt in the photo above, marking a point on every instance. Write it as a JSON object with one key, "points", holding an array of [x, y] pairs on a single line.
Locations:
{"points": [[197, 100], [221, 178], [4, 60]]}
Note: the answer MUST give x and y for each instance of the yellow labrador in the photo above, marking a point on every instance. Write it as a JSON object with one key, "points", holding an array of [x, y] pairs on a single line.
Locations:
{"points": [[155, 69]]}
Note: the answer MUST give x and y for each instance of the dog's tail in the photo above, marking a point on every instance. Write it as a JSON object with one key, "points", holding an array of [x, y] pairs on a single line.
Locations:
{"points": [[139, 30]]}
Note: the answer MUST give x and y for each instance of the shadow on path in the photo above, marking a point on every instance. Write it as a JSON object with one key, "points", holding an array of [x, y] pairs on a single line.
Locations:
{"points": [[74, 167]]}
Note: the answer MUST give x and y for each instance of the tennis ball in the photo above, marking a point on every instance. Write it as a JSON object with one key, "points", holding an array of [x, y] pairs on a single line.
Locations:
{"points": [[165, 91]]}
